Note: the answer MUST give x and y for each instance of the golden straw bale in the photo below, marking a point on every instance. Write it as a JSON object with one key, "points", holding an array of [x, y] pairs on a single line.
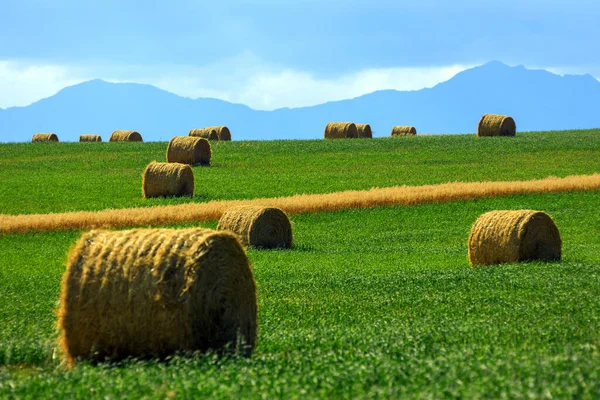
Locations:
{"points": [[223, 132], [264, 227], [340, 130], [404, 131], [189, 150], [496, 125], [44, 137], [150, 293], [513, 236], [167, 179], [209, 133], [364, 131], [125, 136], [90, 138]]}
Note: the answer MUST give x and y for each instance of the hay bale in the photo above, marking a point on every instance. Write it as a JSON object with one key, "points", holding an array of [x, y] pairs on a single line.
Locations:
{"points": [[496, 125], [263, 227], [404, 131], [90, 138], [167, 179], [44, 137], [223, 132], [340, 130], [150, 293], [189, 150], [125, 136], [364, 131], [513, 236], [209, 133]]}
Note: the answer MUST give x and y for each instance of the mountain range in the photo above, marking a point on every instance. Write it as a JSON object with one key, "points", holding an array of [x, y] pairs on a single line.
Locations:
{"points": [[536, 99]]}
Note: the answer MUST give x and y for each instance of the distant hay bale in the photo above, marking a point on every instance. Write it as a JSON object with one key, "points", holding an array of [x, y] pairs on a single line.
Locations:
{"points": [[44, 137], [167, 179], [150, 293], [223, 132], [125, 136], [404, 131], [189, 150], [496, 125], [209, 133], [90, 138], [364, 131], [513, 236], [263, 227], [340, 130]]}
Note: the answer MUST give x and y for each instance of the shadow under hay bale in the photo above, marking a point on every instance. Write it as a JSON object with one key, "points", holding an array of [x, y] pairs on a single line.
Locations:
{"points": [[496, 125], [189, 150], [44, 137], [403, 131], [209, 133], [340, 130], [364, 131], [150, 293], [90, 138], [125, 136], [262, 227], [513, 236], [167, 179]]}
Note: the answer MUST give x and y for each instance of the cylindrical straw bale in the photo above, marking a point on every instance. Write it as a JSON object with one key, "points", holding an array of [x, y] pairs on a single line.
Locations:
{"points": [[404, 131], [364, 131], [151, 293], [125, 136], [167, 179], [340, 130], [189, 150], [223, 132], [262, 227], [90, 138], [513, 236], [44, 137], [496, 125], [209, 133]]}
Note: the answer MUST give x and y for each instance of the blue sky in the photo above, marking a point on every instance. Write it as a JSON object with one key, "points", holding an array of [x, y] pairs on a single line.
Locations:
{"points": [[271, 54]]}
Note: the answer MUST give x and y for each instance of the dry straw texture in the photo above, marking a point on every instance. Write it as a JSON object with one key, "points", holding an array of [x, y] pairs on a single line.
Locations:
{"points": [[404, 131], [90, 138], [167, 179], [153, 292], [364, 131], [125, 136], [223, 132], [496, 125], [189, 150], [512, 236], [351, 199], [44, 137], [340, 130], [209, 133], [257, 226]]}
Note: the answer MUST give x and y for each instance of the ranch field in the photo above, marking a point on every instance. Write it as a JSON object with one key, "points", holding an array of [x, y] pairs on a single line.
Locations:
{"points": [[378, 302]]}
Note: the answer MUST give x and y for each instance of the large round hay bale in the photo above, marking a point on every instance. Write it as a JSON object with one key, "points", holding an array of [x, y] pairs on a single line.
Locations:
{"points": [[44, 137], [404, 131], [90, 138], [223, 132], [364, 131], [496, 125], [125, 136], [513, 236], [263, 227], [150, 293], [189, 150], [167, 179], [340, 130], [209, 133]]}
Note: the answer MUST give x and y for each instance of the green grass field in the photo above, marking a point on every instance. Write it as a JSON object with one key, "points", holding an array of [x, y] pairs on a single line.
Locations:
{"points": [[378, 302]]}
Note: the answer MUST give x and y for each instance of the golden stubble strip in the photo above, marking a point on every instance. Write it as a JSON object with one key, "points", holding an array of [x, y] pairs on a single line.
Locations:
{"points": [[303, 203]]}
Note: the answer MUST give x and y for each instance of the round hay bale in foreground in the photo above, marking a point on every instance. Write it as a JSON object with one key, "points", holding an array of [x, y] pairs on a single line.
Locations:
{"points": [[496, 125], [167, 179], [125, 136], [90, 138], [340, 130], [189, 150], [150, 293], [209, 133], [44, 137], [404, 131], [364, 131], [512, 236], [263, 227]]}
